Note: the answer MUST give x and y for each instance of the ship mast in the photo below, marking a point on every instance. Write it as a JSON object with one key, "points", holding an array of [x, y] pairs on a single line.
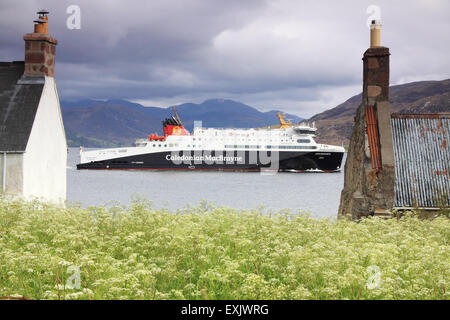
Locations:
{"points": [[283, 123], [176, 116]]}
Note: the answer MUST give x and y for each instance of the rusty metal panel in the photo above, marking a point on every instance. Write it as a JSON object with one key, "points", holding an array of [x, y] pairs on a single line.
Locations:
{"points": [[422, 157], [373, 137]]}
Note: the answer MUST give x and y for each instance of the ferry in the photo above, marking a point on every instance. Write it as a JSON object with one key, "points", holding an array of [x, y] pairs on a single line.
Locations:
{"points": [[287, 147]]}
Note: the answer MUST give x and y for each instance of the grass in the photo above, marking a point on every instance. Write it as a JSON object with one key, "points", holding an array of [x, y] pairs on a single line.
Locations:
{"points": [[217, 253]]}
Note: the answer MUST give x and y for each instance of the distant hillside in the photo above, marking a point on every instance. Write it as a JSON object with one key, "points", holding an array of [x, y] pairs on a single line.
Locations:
{"points": [[92, 123], [335, 125]]}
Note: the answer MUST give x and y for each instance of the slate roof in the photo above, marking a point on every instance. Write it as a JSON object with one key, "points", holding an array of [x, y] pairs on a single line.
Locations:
{"points": [[19, 100], [422, 159]]}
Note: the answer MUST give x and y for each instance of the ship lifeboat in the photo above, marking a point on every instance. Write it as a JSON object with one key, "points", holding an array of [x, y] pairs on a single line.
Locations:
{"points": [[153, 137]]}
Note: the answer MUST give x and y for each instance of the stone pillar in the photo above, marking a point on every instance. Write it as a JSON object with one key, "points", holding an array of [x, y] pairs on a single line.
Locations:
{"points": [[40, 50], [369, 169]]}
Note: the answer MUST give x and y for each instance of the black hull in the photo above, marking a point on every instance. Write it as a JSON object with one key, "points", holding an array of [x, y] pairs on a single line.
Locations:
{"points": [[237, 161]]}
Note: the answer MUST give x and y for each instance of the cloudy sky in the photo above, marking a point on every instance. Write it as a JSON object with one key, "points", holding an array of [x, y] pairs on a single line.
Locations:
{"points": [[298, 56]]}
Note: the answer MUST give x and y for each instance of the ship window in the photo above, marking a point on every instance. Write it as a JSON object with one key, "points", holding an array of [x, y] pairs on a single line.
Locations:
{"points": [[193, 139], [304, 131], [154, 145], [159, 145], [170, 145], [246, 147], [193, 145], [189, 145], [165, 145], [303, 140]]}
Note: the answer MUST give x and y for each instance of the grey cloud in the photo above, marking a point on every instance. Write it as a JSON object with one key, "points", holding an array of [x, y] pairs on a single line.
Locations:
{"points": [[298, 56]]}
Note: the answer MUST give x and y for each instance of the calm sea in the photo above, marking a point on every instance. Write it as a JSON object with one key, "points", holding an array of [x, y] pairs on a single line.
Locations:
{"points": [[316, 193]]}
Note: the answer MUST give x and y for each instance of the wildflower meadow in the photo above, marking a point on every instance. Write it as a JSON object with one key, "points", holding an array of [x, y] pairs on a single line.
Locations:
{"points": [[208, 252]]}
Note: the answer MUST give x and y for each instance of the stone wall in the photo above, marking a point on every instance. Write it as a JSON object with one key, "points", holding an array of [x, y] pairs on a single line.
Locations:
{"points": [[369, 182]]}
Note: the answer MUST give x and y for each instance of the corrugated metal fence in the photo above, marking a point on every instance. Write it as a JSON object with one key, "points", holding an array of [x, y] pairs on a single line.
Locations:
{"points": [[422, 156]]}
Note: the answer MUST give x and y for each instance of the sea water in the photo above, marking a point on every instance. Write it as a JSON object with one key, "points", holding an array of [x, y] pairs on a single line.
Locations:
{"points": [[314, 193]]}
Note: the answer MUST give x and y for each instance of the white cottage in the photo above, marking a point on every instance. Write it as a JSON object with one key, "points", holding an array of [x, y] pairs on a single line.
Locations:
{"points": [[33, 148]]}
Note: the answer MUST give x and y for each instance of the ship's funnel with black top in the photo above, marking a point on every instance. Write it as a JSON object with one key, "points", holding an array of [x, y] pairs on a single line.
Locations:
{"points": [[172, 126]]}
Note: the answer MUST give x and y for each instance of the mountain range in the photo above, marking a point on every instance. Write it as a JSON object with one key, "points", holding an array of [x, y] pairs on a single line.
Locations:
{"points": [[335, 125], [94, 123]]}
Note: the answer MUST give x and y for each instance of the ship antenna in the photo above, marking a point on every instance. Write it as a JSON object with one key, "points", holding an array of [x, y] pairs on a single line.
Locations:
{"points": [[176, 115]]}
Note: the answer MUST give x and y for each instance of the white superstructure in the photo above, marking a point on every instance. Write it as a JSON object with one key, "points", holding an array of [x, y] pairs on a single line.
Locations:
{"points": [[295, 138]]}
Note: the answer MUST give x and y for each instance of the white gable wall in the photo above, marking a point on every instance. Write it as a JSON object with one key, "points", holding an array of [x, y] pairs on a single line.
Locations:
{"points": [[45, 158]]}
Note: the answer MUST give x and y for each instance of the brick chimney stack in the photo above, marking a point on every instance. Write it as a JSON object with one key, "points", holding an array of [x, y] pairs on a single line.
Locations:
{"points": [[370, 165], [40, 49], [376, 100]]}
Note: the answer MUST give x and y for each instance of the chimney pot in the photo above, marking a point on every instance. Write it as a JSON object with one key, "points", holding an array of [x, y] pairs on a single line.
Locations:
{"points": [[375, 34], [40, 49]]}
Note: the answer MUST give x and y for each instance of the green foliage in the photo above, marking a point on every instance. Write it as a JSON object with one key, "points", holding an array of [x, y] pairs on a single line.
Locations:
{"points": [[206, 252]]}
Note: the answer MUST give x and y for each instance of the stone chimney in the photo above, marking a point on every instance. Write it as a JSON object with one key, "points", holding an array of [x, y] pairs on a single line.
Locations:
{"points": [[369, 169], [376, 101], [40, 49]]}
